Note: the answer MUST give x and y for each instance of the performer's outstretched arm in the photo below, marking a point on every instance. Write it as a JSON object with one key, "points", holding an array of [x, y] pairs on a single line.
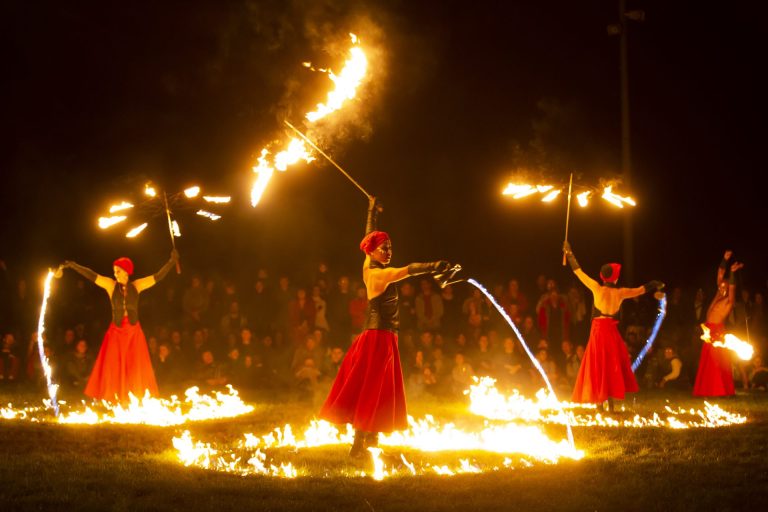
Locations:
{"points": [[721, 269], [100, 281], [732, 283], [583, 277], [373, 216], [149, 281]]}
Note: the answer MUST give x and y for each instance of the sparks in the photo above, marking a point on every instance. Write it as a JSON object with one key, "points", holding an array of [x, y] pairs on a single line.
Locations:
{"points": [[50, 386]]}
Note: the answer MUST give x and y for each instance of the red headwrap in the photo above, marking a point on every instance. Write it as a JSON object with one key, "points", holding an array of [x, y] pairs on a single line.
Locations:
{"points": [[614, 274], [372, 240], [125, 264]]}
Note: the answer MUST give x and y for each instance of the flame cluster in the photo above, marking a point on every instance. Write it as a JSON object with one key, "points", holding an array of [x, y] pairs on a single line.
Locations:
{"points": [[346, 84], [156, 205], [550, 192], [142, 411], [510, 430]]}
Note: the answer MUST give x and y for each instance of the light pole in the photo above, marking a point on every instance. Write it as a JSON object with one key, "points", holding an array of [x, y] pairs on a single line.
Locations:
{"points": [[620, 29]]}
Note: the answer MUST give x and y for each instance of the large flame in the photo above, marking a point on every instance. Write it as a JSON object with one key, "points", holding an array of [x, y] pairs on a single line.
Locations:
{"points": [[616, 199], [347, 83], [105, 222], [45, 364], [743, 350]]}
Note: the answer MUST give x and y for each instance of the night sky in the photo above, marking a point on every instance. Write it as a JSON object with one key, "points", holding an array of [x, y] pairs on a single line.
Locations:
{"points": [[101, 96]]}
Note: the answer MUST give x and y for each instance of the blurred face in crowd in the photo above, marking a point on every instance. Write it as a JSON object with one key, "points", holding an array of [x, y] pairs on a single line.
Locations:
{"points": [[81, 347], [337, 354], [207, 357]]}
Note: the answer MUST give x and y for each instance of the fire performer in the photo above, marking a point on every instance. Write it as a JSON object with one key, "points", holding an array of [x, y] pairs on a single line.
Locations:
{"points": [[605, 372], [123, 365], [715, 377], [368, 390]]}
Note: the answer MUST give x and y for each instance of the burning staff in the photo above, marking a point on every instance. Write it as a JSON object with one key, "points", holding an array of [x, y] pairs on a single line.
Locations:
{"points": [[605, 372], [123, 365], [368, 390], [714, 376], [155, 206]]}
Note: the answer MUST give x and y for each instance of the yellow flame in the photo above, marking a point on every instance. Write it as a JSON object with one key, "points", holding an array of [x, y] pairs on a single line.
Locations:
{"points": [[149, 190], [517, 190], [263, 172], [743, 350], [135, 231], [217, 199], [616, 199], [346, 83], [47, 370], [209, 215], [175, 229], [296, 151], [105, 222], [551, 195], [120, 207], [544, 188], [583, 198], [192, 191]]}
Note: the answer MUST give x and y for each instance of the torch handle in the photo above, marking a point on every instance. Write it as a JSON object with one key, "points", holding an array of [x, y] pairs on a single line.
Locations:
{"points": [[170, 229], [568, 214]]}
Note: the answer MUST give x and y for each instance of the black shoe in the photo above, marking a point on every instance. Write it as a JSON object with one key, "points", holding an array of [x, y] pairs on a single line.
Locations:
{"points": [[358, 446], [371, 440]]}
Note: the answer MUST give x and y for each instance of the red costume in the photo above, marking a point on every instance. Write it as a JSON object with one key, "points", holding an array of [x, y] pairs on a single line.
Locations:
{"points": [[368, 391], [123, 365], [715, 377], [605, 370]]}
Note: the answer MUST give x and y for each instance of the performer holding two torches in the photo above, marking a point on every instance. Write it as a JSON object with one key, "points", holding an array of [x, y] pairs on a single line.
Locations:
{"points": [[715, 377], [605, 371], [368, 390], [123, 364]]}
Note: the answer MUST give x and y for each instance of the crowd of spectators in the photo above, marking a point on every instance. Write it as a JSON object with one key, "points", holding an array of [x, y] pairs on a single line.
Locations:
{"points": [[278, 333]]}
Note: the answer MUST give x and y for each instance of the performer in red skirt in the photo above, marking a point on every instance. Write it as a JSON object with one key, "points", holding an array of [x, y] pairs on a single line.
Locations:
{"points": [[368, 390], [605, 371], [715, 377], [123, 365]]}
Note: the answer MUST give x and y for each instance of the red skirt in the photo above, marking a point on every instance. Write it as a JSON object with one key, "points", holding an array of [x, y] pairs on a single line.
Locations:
{"points": [[715, 377], [368, 391], [122, 366], [605, 370]]}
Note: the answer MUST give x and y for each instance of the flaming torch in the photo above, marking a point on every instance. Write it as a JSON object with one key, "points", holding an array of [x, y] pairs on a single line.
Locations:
{"points": [[347, 83], [742, 349], [157, 204]]}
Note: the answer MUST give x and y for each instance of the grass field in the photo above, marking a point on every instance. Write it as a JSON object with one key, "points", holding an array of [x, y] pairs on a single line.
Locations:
{"points": [[46, 466]]}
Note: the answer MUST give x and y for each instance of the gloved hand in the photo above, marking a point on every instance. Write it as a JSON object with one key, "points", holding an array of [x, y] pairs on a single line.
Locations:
{"points": [[653, 286]]}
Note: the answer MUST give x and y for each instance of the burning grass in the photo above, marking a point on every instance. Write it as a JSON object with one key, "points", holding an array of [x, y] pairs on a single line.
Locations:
{"points": [[55, 467]]}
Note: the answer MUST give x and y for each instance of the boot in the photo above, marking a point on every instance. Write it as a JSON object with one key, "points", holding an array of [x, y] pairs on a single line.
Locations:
{"points": [[371, 440], [358, 445]]}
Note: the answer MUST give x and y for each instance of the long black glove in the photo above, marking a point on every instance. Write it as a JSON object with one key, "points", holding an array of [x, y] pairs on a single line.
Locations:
{"points": [[374, 207], [83, 271], [653, 286], [570, 257], [160, 274], [436, 267]]}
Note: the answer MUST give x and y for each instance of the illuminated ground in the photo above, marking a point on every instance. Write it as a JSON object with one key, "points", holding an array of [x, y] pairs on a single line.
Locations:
{"points": [[112, 467]]}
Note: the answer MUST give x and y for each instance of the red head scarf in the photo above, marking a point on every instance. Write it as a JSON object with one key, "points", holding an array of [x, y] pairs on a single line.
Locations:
{"points": [[609, 273], [372, 240], [125, 264]]}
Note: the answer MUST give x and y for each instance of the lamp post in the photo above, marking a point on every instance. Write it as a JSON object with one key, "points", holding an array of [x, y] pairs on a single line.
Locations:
{"points": [[620, 29]]}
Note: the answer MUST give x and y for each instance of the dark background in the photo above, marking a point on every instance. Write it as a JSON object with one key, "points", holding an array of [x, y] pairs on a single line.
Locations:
{"points": [[100, 96]]}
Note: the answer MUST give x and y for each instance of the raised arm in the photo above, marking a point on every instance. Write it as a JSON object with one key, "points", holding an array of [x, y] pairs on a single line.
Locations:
{"points": [[373, 215], [104, 282], [583, 277], [732, 283], [723, 266], [144, 283]]}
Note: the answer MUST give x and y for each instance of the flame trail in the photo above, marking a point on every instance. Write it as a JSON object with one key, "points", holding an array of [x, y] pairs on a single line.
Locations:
{"points": [[50, 386], [525, 346], [656, 325]]}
